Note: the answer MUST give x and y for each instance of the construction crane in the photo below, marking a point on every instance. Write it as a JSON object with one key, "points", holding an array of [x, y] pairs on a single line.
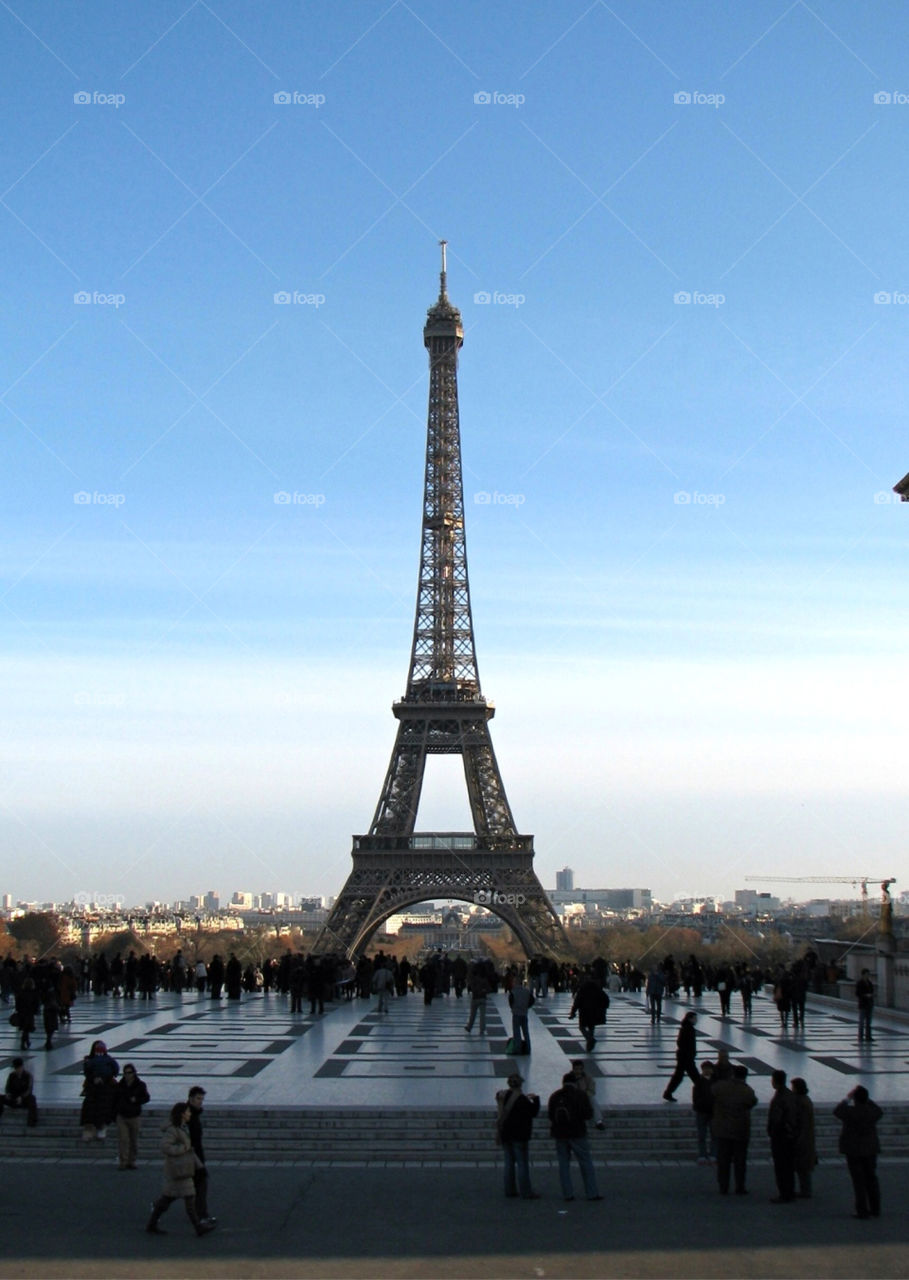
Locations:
{"points": [[885, 883]]}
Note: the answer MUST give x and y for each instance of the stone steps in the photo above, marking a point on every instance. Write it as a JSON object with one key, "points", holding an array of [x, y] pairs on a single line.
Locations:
{"points": [[295, 1135]]}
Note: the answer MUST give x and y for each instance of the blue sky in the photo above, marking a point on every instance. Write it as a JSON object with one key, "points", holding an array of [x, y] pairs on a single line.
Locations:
{"points": [[687, 578]]}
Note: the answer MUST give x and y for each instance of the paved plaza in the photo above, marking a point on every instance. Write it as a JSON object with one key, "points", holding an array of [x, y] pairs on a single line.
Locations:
{"points": [[256, 1053]]}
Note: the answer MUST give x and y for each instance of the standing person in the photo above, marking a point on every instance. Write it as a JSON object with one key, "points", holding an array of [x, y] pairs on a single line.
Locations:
{"points": [[201, 977], [233, 977], [589, 1086], [132, 1096], [520, 999], [656, 985], [860, 1145], [782, 1128], [383, 984], [99, 1097], [515, 1114], [864, 994], [590, 1004], [19, 1092], [702, 1103], [27, 1006], [733, 1100], [51, 1017], [569, 1109], [216, 977], [685, 1055], [200, 1175], [179, 1163], [805, 1149], [479, 990]]}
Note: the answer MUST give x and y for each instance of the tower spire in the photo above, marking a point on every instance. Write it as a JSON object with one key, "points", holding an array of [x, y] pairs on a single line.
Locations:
{"points": [[443, 274]]}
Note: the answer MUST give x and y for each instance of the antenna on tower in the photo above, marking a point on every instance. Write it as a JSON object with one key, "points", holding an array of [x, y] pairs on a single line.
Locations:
{"points": [[443, 274]]}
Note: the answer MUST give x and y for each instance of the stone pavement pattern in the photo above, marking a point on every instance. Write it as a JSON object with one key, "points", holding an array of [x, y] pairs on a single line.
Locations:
{"points": [[256, 1053]]}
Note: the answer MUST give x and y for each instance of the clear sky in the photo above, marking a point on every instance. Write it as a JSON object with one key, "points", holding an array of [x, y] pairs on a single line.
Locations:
{"points": [[688, 576]]}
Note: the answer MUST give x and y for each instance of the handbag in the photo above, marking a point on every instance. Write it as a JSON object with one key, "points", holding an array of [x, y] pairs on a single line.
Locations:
{"points": [[14, 1019]]}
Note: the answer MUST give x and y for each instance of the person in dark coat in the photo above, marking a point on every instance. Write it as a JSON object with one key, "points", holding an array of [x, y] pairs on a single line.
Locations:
{"points": [[805, 1149], [569, 1110], [19, 1092], [99, 1094], [860, 1145], [132, 1096], [733, 1100], [233, 977], [864, 994], [590, 1004], [685, 1055], [195, 1103], [27, 1006], [216, 977], [515, 1115], [782, 1129]]}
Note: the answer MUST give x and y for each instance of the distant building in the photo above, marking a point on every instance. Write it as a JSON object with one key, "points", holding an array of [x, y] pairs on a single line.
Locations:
{"points": [[604, 899], [754, 903], [565, 880], [212, 901]]}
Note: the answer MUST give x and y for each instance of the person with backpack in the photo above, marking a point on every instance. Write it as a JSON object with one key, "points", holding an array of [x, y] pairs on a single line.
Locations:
{"points": [[515, 1114], [569, 1110]]}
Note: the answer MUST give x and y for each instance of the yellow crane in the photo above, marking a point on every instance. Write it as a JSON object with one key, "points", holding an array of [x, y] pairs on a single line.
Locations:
{"points": [[885, 883]]}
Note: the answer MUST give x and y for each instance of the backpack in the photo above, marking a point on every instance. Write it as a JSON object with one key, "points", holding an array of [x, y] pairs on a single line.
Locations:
{"points": [[562, 1117]]}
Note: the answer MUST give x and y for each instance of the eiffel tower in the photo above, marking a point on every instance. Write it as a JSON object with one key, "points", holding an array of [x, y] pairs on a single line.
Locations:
{"points": [[443, 712]]}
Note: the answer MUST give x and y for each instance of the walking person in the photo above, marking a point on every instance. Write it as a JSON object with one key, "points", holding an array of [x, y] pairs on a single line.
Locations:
{"points": [[51, 1017], [180, 1161], [782, 1129], [383, 984], [733, 1100], [805, 1149], [685, 1055], [195, 1102], [860, 1145], [864, 994], [479, 990], [520, 998], [515, 1114], [590, 1003], [132, 1096], [569, 1110]]}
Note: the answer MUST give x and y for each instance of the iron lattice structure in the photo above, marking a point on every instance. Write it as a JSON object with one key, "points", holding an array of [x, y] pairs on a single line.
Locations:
{"points": [[443, 712]]}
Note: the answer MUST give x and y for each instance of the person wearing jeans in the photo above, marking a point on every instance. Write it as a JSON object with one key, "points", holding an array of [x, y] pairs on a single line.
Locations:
{"points": [[569, 1109], [515, 1115]]}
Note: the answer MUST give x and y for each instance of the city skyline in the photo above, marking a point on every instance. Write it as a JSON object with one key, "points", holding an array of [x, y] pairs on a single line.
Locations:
{"points": [[681, 414]]}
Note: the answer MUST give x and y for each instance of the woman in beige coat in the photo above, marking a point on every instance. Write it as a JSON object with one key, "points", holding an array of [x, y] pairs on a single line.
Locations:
{"points": [[180, 1163]]}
